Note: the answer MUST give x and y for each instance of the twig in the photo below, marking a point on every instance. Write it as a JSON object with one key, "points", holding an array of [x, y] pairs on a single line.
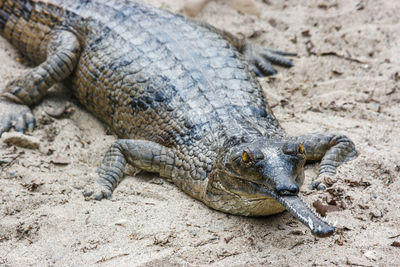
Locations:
{"points": [[356, 264], [111, 258], [301, 242], [333, 53], [10, 162]]}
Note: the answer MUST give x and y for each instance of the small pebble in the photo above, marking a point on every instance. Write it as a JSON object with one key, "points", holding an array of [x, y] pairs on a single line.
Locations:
{"points": [[56, 112], [158, 181], [121, 222], [370, 255], [60, 160], [375, 213]]}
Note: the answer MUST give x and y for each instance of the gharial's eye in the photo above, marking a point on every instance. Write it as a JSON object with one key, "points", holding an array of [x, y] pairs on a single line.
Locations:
{"points": [[251, 156], [245, 157], [301, 148]]}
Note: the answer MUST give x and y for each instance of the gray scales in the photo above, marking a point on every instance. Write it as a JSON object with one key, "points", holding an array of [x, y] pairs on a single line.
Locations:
{"points": [[182, 97]]}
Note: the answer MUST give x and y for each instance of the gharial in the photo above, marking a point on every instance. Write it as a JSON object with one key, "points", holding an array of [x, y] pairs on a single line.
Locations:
{"points": [[179, 95]]}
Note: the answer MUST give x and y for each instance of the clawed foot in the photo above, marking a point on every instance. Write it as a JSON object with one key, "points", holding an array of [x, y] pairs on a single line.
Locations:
{"points": [[261, 59], [15, 115], [97, 192], [322, 182]]}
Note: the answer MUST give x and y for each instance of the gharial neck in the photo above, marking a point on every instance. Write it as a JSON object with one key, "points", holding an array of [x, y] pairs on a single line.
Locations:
{"points": [[234, 130]]}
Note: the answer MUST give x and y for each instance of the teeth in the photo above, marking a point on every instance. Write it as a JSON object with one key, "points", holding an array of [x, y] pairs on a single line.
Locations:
{"points": [[331, 222], [310, 223]]}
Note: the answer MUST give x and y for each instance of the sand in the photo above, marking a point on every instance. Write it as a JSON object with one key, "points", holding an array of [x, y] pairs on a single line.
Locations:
{"points": [[346, 80]]}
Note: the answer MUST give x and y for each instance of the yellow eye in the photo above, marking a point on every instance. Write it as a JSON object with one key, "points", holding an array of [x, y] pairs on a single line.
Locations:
{"points": [[301, 148], [245, 157]]}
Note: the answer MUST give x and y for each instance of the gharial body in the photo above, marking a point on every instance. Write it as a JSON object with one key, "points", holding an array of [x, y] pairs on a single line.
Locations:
{"points": [[180, 96]]}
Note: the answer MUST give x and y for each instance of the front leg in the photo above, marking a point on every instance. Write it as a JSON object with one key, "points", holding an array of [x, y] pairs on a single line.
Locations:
{"points": [[145, 155], [62, 56], [332, 150]]}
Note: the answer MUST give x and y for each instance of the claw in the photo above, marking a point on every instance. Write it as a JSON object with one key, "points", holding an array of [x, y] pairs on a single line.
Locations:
{"points": [[99, 196], [30, 121], [266, 67], [15, 114], [314, 184], [20, 125], [31, 125], [278, 59], [102, 194], [5, 125], [87, 193], [321, 187], [282, 53], [261, 59], [257, 71]]}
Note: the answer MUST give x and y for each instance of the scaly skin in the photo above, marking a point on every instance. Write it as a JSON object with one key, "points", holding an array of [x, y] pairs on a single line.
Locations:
{"points": [[178, 94]]}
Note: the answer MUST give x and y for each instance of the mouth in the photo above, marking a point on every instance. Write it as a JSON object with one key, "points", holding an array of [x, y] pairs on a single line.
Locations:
{"points": [[299, 209]]}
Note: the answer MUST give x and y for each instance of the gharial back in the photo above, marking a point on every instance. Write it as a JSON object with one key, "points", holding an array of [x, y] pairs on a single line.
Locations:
{"points": [[154, 75]]}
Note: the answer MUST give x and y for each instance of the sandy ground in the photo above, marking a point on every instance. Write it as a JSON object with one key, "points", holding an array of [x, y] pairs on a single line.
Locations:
{"points": [[346, 80]]}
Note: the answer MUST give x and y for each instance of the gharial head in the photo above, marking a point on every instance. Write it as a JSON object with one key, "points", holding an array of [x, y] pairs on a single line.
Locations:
{"points": [[269, 168], [271, 163]]}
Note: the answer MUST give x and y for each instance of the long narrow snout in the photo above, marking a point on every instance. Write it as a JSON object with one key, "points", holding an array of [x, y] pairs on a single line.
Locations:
{"points": [[299, 209], [296, 206], [281, 185]]}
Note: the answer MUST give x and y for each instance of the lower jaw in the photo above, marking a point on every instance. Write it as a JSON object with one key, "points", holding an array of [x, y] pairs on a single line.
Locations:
{"points": [[254, 207]]}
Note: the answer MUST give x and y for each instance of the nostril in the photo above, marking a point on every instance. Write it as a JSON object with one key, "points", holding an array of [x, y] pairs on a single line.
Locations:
{"points": [[294, 189], [287, 189]]}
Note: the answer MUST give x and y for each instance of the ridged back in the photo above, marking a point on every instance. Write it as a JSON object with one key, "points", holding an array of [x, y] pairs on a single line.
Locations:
{"points": [[149, 73]]}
